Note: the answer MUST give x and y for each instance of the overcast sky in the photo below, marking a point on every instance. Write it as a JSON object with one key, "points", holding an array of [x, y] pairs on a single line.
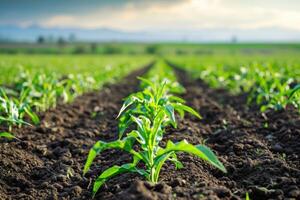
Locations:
{"points": [[131, 15]]}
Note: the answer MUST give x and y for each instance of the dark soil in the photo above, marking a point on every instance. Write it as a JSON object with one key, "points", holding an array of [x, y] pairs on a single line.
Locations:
{"points": [[260, 152]]}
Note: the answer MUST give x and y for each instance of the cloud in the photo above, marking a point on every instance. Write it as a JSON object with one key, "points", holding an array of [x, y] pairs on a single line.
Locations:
{"points": [[154, 14], [30, 9]]}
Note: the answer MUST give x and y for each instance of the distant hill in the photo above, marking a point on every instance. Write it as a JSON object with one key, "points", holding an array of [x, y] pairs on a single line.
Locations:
{"points": [[31, 33]]}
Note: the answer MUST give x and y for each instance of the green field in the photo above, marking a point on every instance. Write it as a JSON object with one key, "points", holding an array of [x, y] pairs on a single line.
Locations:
{"points": [[34, 80], [268, 72], [200, 49], [270, 80], [95, 65], [38, 82], [234, 106]]}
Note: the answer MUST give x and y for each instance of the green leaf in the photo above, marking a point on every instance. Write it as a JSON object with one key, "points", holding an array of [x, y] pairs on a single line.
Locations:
{"points": [[181, 113], [175, 160], [188, 109], [156, 132], [7, 135], [35, 119], [14, 121], [176, 99], [125, 105], [125, 144], [294, 90], [160, 92], [113, 171], [201, 151], [212, 158], [176, 88], [3, 94], [170, 112], [147, 82], [143, 123], [247, 196], [263, 108], [158, 163], [124, 122], [138, 136]]}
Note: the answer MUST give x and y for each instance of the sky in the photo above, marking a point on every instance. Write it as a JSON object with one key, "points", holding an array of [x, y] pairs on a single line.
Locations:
{"points": [[139, 15]]}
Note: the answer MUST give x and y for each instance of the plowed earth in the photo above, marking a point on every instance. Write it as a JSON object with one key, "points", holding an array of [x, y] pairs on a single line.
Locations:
{"points": [[260, 152]]}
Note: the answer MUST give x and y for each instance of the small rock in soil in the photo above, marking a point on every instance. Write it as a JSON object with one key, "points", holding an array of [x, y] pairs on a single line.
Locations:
{"points": [[76, 190]]}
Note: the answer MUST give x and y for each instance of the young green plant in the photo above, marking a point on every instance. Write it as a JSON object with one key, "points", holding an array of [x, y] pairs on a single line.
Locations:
{"points": [[13, 110], [151, 110]]}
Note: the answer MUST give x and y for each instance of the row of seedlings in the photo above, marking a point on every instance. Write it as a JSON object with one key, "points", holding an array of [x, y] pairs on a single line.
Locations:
{"points": [[269, 85], [32, 93]]}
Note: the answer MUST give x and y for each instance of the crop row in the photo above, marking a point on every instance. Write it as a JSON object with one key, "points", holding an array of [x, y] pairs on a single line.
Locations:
{"points": [[12, 65], [269, 84], [31, 93], [150, 110]]}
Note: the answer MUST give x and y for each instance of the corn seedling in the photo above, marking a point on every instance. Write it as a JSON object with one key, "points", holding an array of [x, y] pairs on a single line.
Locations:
{"points": [[151, 111], [12, 111], [155, 98]]}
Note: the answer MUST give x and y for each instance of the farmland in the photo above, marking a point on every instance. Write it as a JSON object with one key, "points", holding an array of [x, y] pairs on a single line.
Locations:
{"points": [[91, 65], [164, 121]]}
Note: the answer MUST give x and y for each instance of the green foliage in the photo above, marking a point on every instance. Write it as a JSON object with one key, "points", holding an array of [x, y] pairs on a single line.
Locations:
{"points": [[34, 90], [153, 100], [12, 111], [247, 196], [152, 49], [271, 89], [101, 68], [43, 90], [7, 135], [151, 111], [270, 83], [294, 96]]}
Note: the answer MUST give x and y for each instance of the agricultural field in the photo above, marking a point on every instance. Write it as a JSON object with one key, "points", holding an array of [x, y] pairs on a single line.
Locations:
{"points": [[162, 121], [90, 65]]}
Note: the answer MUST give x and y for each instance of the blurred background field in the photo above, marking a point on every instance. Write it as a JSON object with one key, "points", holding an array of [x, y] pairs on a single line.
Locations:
{"points": [[93, 65], [109, 48], [89, 57]]}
